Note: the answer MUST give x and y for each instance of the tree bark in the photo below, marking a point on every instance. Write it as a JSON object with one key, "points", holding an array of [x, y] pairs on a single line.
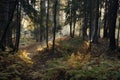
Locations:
{"points": [[112, 12], [84, 29], [55, 24], [11, 13], [71, 28], [95, 36], [18, 28], [105, 33], [47, 22], [118, 32]]}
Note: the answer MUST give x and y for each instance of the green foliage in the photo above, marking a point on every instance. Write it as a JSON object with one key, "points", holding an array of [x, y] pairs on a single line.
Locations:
{"points": [[79, 66], [96, 70], [12, 67]]}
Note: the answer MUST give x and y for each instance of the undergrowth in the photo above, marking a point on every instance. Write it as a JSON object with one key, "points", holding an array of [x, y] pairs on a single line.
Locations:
{"points": [[14, 67], [87, 69], [79, 65], [72, 61]]}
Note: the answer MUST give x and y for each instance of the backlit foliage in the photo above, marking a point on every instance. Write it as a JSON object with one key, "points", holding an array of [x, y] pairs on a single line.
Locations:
{"points": [[78, 59], [14, 67], [24, 56]]}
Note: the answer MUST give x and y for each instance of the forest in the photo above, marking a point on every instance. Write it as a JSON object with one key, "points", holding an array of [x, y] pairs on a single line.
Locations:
{"points": [[59, 40]]}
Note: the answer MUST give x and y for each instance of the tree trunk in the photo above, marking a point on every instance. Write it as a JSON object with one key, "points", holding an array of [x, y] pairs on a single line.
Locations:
{"points": [[105, 33], [11, 13], [18, 28], [91, 19], [112, 12], [71, 29], [55, 23], [74, 24], [95, 35], [47, 22], [90, 22], [9, 38], [74, 9], [84, 29], [118, 34], [41, 20]]}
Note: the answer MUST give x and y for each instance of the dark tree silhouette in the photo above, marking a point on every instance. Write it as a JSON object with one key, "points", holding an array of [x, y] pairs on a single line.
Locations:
{"points": [[16, 47], [112, 12], [55, 24], [12, 8], [47, 22], [95, 35]]}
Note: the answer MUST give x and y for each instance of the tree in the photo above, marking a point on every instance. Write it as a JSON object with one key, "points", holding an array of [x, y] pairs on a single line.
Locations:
{"points": [[47, 22], [95, 35], [70, 8], [105, 34], [84, 29], [112, 13], [12, 8], [74, 10], [16, 47], [55, 23], [118, 32], [41, 20]]}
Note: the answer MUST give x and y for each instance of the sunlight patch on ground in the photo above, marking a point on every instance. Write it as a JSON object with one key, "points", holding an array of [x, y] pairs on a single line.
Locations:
{"points": [[41, 48], [25, 56]]}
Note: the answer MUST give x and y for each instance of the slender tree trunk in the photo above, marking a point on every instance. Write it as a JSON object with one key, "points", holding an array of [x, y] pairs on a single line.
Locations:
{"points": [[95, 35], [41, 20], [90, 23], [105, 33], [47, 22], [9, 38], [99, 22], [74, 24], [118, 34], [84, 29], [74, 9], [55, 24], [71, 29], [18, 28], [35, 25]]}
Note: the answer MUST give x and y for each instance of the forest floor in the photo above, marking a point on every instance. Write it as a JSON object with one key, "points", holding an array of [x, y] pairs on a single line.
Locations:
{"points": [[73, 60]]}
